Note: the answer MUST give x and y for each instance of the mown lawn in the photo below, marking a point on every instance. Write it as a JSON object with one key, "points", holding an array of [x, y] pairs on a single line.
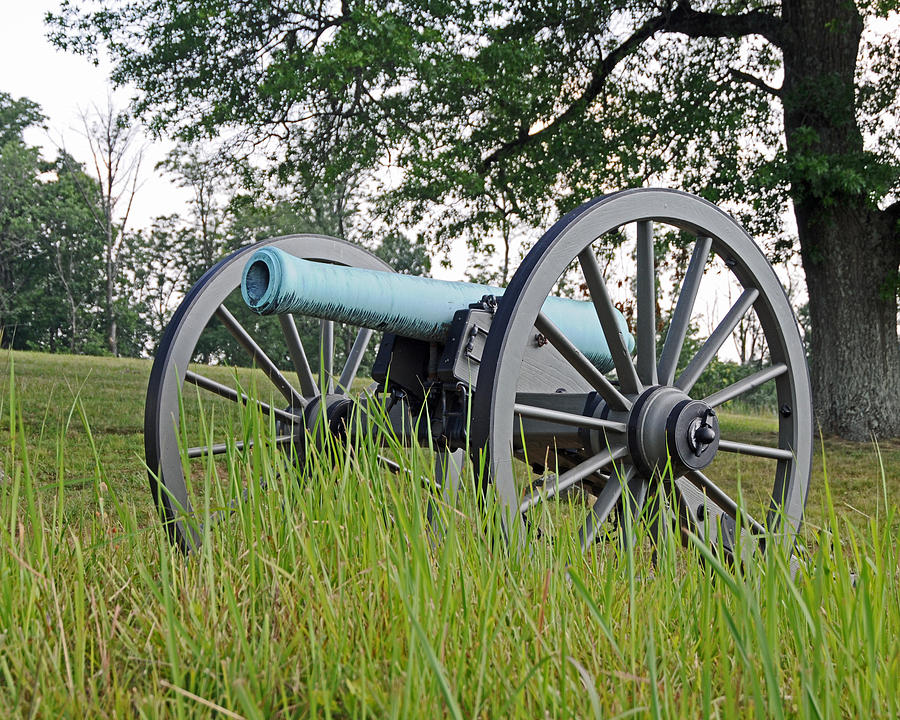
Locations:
{"points": [[328, 597]]}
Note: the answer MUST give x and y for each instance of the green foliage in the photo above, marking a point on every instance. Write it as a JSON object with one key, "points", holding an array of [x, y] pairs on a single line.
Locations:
{"points": [[494, 114], [404, 255], [50, 248], [16, 116], [210, 182], [53, 249], [828, 178]]}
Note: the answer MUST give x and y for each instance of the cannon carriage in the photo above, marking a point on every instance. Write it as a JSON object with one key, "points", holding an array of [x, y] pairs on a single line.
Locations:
{"points": [[531, 386]]}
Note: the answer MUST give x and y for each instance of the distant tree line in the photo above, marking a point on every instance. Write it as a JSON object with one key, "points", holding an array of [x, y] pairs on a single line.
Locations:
{"points": [[77, 277]]}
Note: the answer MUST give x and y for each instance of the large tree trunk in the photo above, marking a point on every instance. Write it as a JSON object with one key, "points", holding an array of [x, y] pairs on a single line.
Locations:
{"points": [[849, 248], [848, 256]]}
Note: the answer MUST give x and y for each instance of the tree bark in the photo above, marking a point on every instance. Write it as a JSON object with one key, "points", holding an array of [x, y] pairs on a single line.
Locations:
{"points": [[849, 248]]}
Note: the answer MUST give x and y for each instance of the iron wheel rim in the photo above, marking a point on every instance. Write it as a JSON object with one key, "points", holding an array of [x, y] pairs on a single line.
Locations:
{"points": [[493, 413], [171, 366]]}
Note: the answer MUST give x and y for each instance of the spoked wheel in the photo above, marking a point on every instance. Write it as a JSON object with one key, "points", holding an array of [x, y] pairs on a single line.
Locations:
{"points": [[650, 422], [298, 392]]}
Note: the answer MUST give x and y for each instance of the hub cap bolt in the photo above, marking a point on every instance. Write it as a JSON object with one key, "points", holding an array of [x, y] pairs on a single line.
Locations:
{"points": [[703, 434]]}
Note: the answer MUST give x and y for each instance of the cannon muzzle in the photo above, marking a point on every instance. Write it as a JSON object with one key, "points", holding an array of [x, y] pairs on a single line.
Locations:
{"points": [[275, 282]]}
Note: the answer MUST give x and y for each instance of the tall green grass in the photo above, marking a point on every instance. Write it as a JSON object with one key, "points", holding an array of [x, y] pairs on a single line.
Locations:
{"points": [[327, 595]]}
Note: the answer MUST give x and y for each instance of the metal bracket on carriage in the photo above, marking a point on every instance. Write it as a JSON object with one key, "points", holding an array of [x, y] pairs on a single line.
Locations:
{"points": [[464, 344], [448, 410], [396, 396], [487, 302]]}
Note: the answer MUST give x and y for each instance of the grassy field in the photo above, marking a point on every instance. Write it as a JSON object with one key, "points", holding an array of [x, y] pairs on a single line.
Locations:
{"points": [[327, 598]]}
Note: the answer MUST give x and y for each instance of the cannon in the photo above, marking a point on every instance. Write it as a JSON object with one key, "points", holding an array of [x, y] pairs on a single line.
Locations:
{"points": [[544, 393]]}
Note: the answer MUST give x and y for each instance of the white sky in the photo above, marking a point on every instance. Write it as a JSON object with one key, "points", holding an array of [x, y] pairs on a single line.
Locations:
{"points": [[64, 84]]}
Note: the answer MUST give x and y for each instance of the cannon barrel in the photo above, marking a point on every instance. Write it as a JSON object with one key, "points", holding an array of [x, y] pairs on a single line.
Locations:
{"points": [[275, 282]]}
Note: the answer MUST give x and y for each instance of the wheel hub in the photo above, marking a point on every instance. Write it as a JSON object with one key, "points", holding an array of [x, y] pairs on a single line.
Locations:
{"points": [[666, 426], [324, 412]]}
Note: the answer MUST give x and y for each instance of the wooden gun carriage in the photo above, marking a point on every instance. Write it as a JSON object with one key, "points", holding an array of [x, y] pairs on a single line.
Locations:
{"points": [[516, 374]]}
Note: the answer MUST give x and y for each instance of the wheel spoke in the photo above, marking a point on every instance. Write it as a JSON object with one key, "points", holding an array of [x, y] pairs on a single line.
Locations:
{"points": [[745, 385], [564, 418], [262, 360], [581, 364], [593, 276], [709, 349], [603, 506], [298, 356], [326, 375], [386, 462], [646, 304], [772, 453], [229, 394], [570, 477], [657, 514], [395, 469], [721, 499], [222, 448], [448, 470], [354, 360], [681, 318]]}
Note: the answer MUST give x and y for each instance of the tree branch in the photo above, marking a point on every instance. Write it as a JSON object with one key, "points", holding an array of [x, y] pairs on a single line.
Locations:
{"points": [[598, 79], [682, 20], [81, 191], [685, 20], [755, 81]]}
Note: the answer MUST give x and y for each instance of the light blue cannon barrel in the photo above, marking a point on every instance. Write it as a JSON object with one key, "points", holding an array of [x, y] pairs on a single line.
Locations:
{"points": [[275, 282]]}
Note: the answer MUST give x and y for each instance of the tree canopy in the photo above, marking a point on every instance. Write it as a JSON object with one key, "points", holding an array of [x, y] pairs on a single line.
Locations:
{"points": [[497, 114], [49, 246], [507, 108]]}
